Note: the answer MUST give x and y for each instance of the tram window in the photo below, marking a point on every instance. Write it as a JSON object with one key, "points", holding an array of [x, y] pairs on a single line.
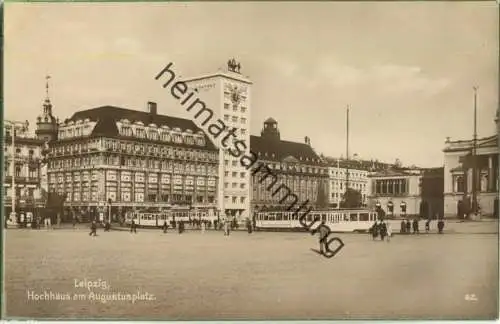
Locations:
{"points": [[364, 217], [279, 216], [309, 218], [353, 217], [266, 217], [323, 217]]}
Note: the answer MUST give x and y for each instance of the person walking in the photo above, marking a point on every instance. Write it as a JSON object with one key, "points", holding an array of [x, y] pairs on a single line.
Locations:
{"points": [[408, 226], [202, 227], [226, 228], [133, 227], [93, 229], [249, 226], [389, 231], [374, 230], [440, 226], [403, 227], [107, 226], [415, 226], [165, 227], [323, 234], [427, 226], [383, 230]]}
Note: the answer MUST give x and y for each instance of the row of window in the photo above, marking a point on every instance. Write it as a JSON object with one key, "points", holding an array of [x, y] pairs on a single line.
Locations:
{"points": [[235, 119], [235, 108], [234, 174], [234, 185], [30, 172], [235, 199], [163, 135], [353, 185], [137, 197], [353, 173], [282, 167], [75, 131], [19, 151], [133, 148], [391, 186], [133, 162]]}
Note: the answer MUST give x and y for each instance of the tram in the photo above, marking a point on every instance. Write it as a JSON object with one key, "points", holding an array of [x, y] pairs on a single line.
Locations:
{"points": [[338, 220], [156, 218]]}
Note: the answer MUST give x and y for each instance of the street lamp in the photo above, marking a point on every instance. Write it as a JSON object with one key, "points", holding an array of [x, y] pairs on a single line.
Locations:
{"points": [[21, 126]]}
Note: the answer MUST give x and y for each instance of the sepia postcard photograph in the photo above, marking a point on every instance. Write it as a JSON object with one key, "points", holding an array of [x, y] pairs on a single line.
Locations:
{"points": [[250, 160]]}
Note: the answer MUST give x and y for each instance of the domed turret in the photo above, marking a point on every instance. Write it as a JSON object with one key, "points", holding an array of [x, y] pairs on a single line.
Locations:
{"points": [[46, 123], [271, 130]]}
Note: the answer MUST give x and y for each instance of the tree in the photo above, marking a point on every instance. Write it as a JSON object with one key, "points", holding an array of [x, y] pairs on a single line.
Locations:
{"points": [[352, 199], [322, 198]]}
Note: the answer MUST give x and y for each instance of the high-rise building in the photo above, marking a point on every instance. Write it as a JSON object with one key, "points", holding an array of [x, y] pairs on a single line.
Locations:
{"points": [[227, 94]]}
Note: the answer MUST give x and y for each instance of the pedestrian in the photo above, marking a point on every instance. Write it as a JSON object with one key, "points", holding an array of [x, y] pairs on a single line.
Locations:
{"points": [[249, 226], [408, 226], [74, 220], [133, 227], [440, 226], [226, 228], [374, 230], [93, 229], [389, 231], [203, 225], [415, 226], [403, 227], [323, 235], [383, 230], [427, 226], [107, 226], [181, 227], [165, 226]]}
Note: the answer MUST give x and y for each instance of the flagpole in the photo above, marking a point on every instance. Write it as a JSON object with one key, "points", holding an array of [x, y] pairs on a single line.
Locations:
{"points": [[474, 153], [347, 150]]}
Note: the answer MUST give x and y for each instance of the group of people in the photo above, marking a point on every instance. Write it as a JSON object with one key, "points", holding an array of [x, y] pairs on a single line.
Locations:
{"points": [[382, 229], [227, 225], [407, 226]]}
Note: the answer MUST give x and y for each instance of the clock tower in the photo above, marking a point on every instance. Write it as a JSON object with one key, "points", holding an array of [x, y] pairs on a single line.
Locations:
{"points": [[228, 94]]}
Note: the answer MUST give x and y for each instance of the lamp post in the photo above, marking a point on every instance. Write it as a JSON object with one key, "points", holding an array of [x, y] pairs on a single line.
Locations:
{"points": [[22, 126]]}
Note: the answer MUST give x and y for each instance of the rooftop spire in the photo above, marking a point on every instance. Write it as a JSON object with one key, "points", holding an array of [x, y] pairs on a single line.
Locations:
{"points": [[47, 77]]}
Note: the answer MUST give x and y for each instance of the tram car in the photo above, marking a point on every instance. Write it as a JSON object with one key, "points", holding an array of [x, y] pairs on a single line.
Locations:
{"points": [[156, 218], [338, 220]]}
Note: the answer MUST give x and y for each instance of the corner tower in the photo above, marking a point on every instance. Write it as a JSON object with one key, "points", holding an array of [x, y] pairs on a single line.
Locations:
{"points": [[46, 123], [228, 94]]}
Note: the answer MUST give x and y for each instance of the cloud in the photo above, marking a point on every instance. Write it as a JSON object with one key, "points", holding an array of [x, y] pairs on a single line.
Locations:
{"points": [[395, 80]]}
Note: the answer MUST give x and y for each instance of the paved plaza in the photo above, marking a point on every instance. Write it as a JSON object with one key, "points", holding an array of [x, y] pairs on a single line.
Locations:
{"points": [[259, 276]]}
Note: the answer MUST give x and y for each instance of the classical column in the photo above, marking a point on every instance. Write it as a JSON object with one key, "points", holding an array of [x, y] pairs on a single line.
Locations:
{"points": [[491, 175]]}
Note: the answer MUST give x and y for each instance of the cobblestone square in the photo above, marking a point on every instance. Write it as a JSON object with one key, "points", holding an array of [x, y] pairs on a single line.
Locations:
{"points": [[260, 276]]}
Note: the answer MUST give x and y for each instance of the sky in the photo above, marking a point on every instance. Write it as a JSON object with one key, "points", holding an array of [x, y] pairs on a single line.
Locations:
{"points": [[406, 69]]}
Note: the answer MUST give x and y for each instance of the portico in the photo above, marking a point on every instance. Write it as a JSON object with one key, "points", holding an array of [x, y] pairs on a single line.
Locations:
{"points": [[459, 167]]}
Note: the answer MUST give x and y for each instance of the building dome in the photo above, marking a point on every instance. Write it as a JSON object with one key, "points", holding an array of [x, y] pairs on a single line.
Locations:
{"points": [[270, 120]]}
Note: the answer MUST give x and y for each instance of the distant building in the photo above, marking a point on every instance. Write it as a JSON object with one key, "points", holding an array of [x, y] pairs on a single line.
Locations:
{"points": [[338, 180], [396, 191], [432, 192], [458, 175], [296, 165], [25, 169], [133, 159]]}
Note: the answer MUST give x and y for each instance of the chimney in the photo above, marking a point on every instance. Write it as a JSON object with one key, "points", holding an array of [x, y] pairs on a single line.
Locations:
{"points": [[152, 107], [307, 140]]}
